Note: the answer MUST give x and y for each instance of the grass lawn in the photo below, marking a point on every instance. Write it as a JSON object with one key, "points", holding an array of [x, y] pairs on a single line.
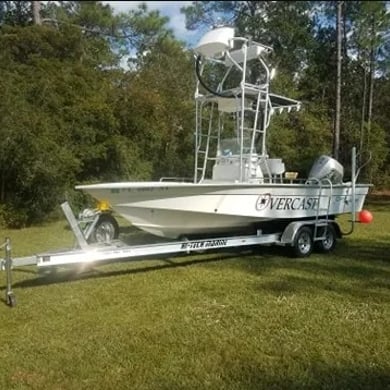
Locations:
{"points": [[224, 320]]}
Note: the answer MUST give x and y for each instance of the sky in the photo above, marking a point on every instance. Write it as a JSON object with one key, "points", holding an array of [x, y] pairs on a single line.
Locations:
{"points": [[170, 9]]}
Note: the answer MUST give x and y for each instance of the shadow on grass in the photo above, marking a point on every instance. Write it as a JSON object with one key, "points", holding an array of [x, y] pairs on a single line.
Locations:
{"points": [[90, 271], [288, 285], [315, 375], [361, 271]]}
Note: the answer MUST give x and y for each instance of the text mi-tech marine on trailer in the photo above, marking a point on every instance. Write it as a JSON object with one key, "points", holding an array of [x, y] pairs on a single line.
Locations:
{"points": [[240, 196]]}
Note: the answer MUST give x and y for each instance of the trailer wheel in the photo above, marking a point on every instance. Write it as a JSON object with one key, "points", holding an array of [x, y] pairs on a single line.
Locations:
{"points": [[303, 243], [106, 229], [329, 242]]}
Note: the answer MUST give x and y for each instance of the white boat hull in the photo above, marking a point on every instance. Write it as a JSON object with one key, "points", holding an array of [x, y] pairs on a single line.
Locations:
{"points": [[175, 210]]}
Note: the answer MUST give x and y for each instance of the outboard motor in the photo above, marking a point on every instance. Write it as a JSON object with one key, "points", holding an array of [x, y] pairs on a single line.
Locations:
{"points": [[326, 167]]}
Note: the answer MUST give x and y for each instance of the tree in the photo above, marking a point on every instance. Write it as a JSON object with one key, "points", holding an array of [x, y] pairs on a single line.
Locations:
{"points": [[15, 13], [372, 22], [155, 108], [43, 85]]}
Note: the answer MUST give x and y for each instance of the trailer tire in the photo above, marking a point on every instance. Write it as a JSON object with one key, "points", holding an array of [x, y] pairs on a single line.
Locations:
{"points": [[329, 243], [106, 229], [303, 242]]}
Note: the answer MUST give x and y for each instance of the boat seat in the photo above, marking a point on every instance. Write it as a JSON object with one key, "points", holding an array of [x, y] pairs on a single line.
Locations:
{"points": [[274, 168]]}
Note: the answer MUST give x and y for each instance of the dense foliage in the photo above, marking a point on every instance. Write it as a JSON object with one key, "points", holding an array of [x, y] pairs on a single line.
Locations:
{"points": [[69, 113]]}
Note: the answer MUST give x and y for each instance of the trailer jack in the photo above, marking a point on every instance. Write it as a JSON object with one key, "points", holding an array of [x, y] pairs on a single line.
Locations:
{"points": [[6, 264]]}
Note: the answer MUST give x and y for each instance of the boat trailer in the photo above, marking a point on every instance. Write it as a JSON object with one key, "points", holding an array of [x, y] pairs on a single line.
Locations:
{"points": [[297, 234]]}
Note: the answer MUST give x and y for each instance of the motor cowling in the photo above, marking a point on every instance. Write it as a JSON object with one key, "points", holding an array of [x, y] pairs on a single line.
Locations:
{"points": [[327, 168]]}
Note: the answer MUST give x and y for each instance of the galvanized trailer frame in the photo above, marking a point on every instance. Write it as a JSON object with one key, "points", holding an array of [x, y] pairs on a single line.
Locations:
{"points": [[116, 250]]}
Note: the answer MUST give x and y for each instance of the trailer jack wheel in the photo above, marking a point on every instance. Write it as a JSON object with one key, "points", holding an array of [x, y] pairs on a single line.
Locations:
{"points": [[303, 243], [11, 300], [106, 229]]}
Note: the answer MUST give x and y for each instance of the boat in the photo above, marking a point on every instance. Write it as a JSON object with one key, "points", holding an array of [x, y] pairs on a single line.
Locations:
{"points": [[237, 187]]}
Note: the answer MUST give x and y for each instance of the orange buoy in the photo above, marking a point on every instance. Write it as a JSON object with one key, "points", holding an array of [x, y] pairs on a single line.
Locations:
{"points": [[365, 216]]}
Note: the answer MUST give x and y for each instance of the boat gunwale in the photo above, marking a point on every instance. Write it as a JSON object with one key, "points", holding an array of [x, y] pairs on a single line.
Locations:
{"points": [[155, 184]]}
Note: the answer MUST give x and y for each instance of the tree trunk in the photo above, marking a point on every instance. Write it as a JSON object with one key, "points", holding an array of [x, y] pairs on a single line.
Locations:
{"points": [[336, 136], [371, 96], [2, 187], [36, 8], [370, 93], [363, 118]]}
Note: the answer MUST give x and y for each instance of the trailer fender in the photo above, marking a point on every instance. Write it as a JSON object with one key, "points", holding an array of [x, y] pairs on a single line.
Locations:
{"points": [[337, 229], [289, 233]]}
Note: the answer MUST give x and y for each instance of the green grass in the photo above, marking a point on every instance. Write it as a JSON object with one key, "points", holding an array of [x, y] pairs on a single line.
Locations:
{"points": [[224, 320]]}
